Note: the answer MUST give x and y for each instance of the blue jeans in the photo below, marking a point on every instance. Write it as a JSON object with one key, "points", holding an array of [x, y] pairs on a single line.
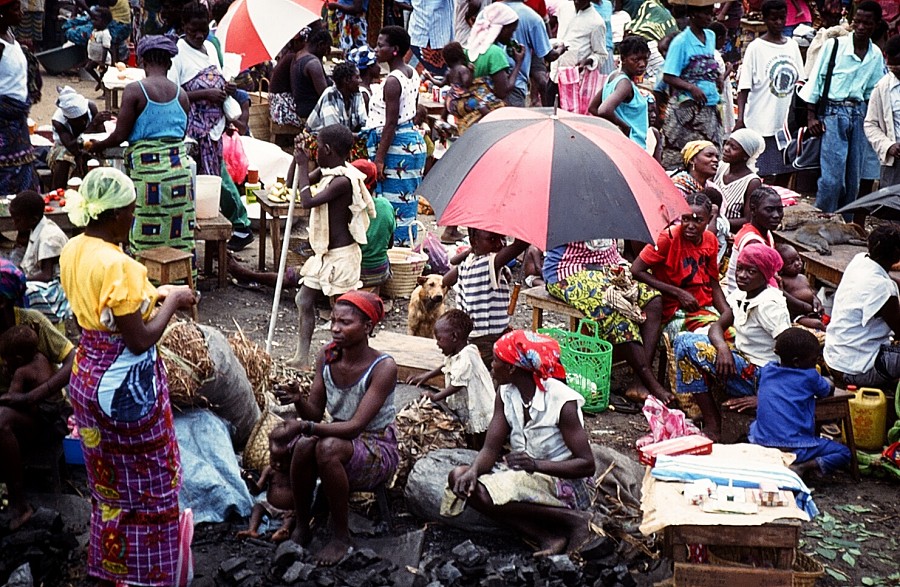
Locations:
{"points": [[828, 454], [842, 155]]}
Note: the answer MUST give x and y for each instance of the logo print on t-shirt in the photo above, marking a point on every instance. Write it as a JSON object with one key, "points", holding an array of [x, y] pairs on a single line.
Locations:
{"points": [[783, 75]]}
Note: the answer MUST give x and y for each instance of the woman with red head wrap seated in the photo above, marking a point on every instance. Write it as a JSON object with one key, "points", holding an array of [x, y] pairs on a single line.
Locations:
{"points": [[358, 449], [758, 311], [546, 482]]}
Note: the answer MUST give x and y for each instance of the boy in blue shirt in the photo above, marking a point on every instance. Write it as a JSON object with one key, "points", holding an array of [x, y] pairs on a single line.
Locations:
{"points": [[786, 405]]}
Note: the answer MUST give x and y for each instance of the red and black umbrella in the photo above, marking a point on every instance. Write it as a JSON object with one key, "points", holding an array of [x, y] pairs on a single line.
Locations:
{"points": [[551, 178]]}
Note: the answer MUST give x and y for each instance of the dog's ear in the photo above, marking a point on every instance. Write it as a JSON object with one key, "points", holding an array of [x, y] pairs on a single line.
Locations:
{"points": [[421, 279]]}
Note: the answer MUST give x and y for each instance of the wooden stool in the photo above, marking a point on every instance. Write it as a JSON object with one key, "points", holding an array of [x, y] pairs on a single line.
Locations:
{"points": [[167, 265], [214, 232]]}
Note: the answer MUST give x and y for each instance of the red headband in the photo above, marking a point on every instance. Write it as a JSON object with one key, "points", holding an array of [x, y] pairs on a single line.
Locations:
{"points": [[367, 167], [367, 303]]}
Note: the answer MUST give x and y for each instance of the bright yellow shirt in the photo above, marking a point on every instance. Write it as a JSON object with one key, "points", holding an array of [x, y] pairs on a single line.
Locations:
{"points": [[101, 282]]}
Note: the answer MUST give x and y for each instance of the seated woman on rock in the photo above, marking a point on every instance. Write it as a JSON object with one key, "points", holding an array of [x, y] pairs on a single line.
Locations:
{"points": [[592, 277], [358, 449], [682, 266], [758, 312], [546, 485]]}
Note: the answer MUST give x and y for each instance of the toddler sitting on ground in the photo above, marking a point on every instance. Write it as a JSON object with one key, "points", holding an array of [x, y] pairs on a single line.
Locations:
{"points": [[27, 368], [803, 304], [468, 388], [786, 405], [275, 480]]}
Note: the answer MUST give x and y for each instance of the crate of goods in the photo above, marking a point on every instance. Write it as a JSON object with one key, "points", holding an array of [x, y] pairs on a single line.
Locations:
{"points": [[587, 359], [406, 267], [686, 445]]}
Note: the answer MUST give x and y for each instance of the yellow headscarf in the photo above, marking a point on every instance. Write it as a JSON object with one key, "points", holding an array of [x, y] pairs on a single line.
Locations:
{"points": [[102, 189], [691, 149]]}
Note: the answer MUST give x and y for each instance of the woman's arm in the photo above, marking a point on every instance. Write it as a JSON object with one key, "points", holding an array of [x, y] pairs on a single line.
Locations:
{"points": [[686, 300], [382, 382], [623, 92], [140, 336], [316, 72], [582, 462], [718, 297], [685, 86], [392, 91], [504, 80], [66, 138], [724, 359], [131, 108]]}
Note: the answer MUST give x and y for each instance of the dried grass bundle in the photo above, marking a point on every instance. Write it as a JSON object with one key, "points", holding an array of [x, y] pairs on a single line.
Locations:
{"points": [[423, 427], [256, 362], [185, 355]]}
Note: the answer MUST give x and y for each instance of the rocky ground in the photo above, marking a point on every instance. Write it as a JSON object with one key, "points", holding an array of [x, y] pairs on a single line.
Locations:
{"points": [[855, 537]]}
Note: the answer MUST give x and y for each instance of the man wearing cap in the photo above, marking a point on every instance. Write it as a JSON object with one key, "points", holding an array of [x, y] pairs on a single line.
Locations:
{"points": [[75, 115]]}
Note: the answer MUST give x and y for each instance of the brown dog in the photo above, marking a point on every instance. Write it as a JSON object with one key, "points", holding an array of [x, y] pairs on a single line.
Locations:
{"points": [[426, 305]]}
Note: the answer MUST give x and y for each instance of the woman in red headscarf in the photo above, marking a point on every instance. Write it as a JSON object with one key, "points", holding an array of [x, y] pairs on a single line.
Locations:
{"points": [[358, 449], [547, 481]]}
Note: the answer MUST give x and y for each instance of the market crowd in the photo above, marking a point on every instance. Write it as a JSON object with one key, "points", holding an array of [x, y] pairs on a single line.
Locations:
{"points": [[720, 96]]}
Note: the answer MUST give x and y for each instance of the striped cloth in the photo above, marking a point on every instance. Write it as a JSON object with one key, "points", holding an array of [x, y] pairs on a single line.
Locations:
{"points": [[483, 294], [688, 468]]}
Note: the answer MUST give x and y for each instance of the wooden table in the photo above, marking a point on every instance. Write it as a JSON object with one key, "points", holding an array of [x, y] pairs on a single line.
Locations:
{"points": [[214, 232], [58, 216], [277, 211], [414, 355], [431, 107], [781, 535], [829, 269]]}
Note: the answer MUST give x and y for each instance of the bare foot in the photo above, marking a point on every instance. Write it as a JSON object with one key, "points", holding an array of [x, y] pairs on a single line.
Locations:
{"points": [[283, 533], [248, 534], [297, 363], [333, 552], [20, 515], [550, 546], [637, 393]]}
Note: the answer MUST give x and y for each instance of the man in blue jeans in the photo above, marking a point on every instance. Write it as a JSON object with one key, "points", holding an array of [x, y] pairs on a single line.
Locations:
{"points": [[858, 67]]}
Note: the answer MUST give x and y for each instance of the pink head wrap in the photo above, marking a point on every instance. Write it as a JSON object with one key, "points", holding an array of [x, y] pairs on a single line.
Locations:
{"points": [[487, 26], [764, 258]]}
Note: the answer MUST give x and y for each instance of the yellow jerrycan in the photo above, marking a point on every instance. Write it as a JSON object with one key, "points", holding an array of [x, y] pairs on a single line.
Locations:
{"points": [[868, 410]]}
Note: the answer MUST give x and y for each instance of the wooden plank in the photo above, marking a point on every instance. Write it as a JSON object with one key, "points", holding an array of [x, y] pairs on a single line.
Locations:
{"points": [[782, 535], [830, 268], [414, 355], [688, 575]]}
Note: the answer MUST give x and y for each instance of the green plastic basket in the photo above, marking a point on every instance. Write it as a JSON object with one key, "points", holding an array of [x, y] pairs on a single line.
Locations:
{"points": [[588, 362]]}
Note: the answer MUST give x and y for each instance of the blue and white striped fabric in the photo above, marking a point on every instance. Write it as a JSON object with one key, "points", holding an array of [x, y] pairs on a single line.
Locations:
{"points": [[688, 468], [483, 294], [431, 23]]}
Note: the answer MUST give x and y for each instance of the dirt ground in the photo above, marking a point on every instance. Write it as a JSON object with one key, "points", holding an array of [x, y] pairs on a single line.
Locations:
{"points": [[855, 537]]}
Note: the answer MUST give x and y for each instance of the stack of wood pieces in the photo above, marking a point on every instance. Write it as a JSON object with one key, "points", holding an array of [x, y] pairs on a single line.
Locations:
{"points": [[423, 427], [256, 362], [185, 355]]}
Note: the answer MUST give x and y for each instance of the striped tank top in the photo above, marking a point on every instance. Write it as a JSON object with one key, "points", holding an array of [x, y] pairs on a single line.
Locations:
{"points": [[484, 294]]}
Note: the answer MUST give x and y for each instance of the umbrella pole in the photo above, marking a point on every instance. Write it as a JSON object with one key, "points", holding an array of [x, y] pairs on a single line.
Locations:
{"points": [[282, 262]]}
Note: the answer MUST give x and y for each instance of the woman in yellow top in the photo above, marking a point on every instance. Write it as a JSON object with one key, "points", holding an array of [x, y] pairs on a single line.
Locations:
{"points": [[118, 389]]}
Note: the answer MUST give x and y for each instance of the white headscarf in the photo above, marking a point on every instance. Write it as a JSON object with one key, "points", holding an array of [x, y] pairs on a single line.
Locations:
{"points": [[487, 26], [71, 103], [751, 142]]}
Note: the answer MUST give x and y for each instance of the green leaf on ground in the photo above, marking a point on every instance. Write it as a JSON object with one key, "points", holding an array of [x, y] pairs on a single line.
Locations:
{"points": [[826, 553], [848, 558], [837, 575], [868, 581]]}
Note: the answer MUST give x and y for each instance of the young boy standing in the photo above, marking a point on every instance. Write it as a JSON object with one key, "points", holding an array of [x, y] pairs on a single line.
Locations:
{"points": [[340, 208], [786, 405]]}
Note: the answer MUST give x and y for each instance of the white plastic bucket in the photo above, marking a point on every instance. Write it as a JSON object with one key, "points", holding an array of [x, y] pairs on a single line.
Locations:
{"points": [[208, 189]]}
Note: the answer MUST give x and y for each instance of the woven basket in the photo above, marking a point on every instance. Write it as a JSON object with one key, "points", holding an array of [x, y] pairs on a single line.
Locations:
{"points": [[299, 251], [259, 112], [406, 267], [256, 453], [806, 570]]}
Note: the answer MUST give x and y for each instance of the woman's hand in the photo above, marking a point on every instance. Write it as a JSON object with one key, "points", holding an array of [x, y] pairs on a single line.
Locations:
{"points": [[687, 302], [465, 483], [725, 362], [288, 393], [215, 95], [181, 295], [379, 164], [697, 94], [521, 461], [98, 121], [741, 404], [301, 157], [519, 54]]}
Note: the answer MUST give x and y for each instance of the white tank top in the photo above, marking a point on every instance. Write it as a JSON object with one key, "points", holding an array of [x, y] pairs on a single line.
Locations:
{"points": [[409, 96]]}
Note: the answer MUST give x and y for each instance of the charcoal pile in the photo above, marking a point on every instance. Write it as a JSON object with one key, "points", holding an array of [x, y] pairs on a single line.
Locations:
{"points": [[469, 565], [43, 544], [293, 565]]}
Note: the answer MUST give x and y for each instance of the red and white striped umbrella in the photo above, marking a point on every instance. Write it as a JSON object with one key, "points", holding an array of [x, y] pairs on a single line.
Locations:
{"points": [[258, 29]]}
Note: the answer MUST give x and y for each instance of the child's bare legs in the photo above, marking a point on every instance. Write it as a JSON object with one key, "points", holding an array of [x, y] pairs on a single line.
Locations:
{"points": [[287, 527], [304, 473], [640, 357], [811, 322], [11, 466], [256, 516], [712, 420], [306, 304]]}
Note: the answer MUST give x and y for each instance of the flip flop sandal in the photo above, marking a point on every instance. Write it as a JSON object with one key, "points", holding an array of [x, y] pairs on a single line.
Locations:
{"points": [[617, 403], [248, 285]]}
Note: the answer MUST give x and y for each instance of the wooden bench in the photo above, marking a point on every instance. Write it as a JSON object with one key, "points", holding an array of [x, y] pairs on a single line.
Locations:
{"points": [[540, 300], [214, 232], [414, 355]]}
